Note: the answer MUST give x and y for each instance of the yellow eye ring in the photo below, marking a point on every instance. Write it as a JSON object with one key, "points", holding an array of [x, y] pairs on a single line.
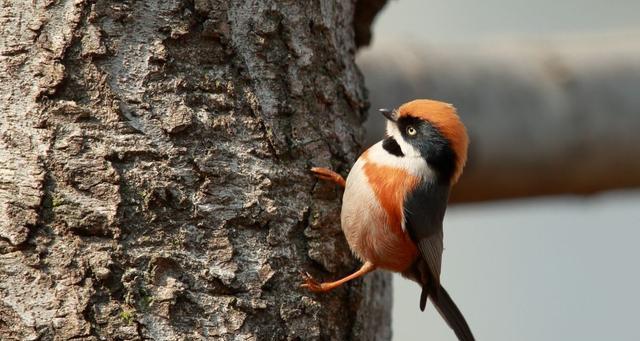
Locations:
{"points": [[411, 131]]}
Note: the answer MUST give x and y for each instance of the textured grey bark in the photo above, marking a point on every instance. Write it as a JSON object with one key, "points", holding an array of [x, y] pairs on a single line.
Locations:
{"points": [[554, 118], [154, 175]]}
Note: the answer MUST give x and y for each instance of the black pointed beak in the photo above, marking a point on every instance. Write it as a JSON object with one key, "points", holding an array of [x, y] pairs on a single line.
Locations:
{"points": [[389, 114]]}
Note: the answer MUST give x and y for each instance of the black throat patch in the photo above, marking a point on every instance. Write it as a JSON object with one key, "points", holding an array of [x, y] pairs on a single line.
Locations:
{"points": [[391, 145]]}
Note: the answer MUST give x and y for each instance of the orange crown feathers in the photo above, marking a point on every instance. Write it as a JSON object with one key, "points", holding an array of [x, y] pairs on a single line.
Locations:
{"points": [[443, 117]]}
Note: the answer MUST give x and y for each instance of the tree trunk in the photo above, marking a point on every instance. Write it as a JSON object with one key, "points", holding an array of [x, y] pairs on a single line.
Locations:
{"points": [[154, 171]]}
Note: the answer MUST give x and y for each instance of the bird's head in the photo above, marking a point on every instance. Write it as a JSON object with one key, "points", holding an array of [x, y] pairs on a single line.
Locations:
{"points": [[431, 130]]}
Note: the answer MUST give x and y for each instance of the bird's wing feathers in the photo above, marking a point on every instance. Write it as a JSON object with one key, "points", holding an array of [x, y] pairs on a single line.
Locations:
{"points": [[431, 250], [424, 210]]}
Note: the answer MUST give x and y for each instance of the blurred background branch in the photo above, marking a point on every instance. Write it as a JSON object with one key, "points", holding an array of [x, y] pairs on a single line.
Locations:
{"points": [[544, 118]]}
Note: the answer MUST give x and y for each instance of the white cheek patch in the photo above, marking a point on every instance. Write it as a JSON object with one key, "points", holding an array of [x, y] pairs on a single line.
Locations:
{"points": [[413, 165]]}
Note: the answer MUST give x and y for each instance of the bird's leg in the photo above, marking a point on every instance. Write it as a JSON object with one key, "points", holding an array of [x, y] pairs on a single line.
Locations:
{"points": [[311, 284], [329, 175]]}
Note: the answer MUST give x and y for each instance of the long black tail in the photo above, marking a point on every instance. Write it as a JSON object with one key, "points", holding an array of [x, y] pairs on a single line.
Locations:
{"points": [[449, 312]]}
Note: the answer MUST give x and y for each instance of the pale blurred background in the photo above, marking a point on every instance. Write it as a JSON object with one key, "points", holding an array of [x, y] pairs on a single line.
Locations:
{"points": [[543, 241]]}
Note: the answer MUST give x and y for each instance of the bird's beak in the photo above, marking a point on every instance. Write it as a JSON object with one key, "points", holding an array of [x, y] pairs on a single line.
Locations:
{"points": [[389, 114]]}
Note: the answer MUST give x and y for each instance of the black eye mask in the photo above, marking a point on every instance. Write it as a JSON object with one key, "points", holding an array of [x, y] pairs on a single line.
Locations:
{"points": [[433, 146]]}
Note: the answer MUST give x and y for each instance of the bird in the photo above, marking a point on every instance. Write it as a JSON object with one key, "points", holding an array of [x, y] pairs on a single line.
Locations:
{"points": [[395, 198]]}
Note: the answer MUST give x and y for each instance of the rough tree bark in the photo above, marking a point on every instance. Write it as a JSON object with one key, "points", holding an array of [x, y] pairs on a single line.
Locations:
{"points": [[154, 176]]}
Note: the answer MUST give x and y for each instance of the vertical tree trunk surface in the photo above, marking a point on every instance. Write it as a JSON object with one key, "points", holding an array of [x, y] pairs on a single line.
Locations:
{"points": [[154, 176]]}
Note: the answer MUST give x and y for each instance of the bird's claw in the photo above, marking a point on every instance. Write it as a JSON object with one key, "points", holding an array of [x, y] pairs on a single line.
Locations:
{"points": [[310, 283], [328, 175], [322, 173]]}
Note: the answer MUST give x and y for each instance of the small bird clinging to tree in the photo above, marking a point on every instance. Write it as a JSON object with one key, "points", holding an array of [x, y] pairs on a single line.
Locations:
{"points": [[395, 199]]}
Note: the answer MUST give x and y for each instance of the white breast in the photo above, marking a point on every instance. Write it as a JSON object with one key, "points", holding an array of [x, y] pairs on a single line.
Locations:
{"points": [[363, 219], [361, 212]]}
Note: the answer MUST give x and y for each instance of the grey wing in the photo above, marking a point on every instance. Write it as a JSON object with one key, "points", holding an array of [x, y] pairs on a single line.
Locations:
{"points": [[424, 210]]}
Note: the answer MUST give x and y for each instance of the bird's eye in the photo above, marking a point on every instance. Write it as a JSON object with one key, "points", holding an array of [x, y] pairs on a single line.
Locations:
{"points": [[411, 131]]}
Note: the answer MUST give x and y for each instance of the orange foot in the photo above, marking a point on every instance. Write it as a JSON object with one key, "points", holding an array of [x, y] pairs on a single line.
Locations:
{"points": [[329, 175], [311, 284]]}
